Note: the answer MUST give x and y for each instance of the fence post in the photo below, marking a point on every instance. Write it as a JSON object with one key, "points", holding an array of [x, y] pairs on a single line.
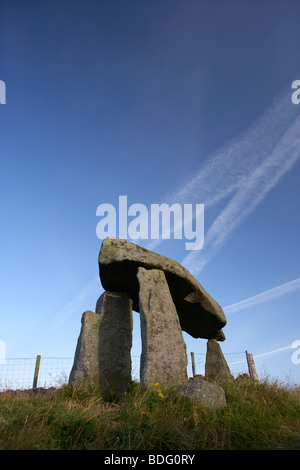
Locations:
{"points": [[251, 367], [193, 364], [36, 372]]}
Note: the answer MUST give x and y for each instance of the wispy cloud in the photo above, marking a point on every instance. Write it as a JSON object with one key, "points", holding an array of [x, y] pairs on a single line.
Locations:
{"points": [[78, 303], [257, 185], [227, 169], [263, 296], [246, 168]]}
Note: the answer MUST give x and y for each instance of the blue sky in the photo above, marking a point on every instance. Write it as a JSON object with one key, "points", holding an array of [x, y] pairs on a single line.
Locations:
{"points": [[162, 101]]}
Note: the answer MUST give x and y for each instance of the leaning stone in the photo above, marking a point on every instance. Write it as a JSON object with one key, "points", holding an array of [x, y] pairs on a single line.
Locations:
{"points": [[204, 393], [163, 357], [199, 314], [216, 367], [115, 342], [85, 370]]}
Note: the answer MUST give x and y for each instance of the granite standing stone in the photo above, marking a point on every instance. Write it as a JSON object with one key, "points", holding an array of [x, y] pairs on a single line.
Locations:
{"points": [[216, 367], [163, 358], [103, 350], [115, 342], [85, 370]]}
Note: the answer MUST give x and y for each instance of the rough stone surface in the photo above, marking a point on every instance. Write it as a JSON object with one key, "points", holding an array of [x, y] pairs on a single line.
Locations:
{"points": [[204, 393], [199, 314], [216, 367], [85, 368], [164, 357], [115, 342], [103, 349]]}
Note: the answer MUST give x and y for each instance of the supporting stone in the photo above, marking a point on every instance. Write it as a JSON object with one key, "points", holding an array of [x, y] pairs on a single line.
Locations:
{"points": [[104, 345], [85, 370], [115, 342], [216, 367], [164, 358]]}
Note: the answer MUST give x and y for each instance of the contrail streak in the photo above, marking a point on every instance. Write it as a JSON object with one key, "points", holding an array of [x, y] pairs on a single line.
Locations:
{"points": [[264, 296], [234, 168], [77, 304], [263, 178], [246, 168], [269, 353]]}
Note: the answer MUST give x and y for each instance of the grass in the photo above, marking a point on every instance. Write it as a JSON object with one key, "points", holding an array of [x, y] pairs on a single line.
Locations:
{"points": [[258, 416]]}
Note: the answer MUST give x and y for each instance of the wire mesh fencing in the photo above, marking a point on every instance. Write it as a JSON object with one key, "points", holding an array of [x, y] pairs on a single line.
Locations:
{"points": [[19, 373], [237, 363], [15, 373]]}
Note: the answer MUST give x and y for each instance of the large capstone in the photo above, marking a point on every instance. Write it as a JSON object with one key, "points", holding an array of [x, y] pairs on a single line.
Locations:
{"points": [[199, 314], [163, 358]]}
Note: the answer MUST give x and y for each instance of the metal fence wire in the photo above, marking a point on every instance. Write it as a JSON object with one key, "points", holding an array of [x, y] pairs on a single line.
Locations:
{"points": [[19, 373], [237, 363]]}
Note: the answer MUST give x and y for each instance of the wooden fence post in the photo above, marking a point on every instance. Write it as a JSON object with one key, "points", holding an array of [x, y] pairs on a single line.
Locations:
{"points": [[193, 364], [251, 367], [36, 372]]}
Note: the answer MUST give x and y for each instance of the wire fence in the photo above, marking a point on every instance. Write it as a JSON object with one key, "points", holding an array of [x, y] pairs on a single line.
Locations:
{"points": [[19, 373], [237, 363]]}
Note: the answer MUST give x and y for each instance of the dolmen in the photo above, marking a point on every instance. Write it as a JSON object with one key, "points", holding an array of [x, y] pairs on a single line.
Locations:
{"points": [[169, 299]]}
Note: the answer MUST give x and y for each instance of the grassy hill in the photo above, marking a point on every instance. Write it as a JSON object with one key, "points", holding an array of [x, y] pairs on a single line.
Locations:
{"points": [[258, 416]]}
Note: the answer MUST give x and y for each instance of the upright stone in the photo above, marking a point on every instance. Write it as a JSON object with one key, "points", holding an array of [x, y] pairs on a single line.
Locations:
{"points": [[163, 357], [115, 342], [102, 355], [85, 370], [216, 367]]}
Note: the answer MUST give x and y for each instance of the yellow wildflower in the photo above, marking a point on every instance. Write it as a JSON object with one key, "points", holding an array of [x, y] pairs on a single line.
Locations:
{"points": [[158, 390]]}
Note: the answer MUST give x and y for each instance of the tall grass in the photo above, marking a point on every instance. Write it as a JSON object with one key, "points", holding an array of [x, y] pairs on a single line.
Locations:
{"points": [[258, 416]]}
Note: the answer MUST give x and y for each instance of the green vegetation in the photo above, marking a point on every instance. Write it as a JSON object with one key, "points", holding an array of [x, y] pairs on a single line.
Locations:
{"points": [[258, 416]]}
